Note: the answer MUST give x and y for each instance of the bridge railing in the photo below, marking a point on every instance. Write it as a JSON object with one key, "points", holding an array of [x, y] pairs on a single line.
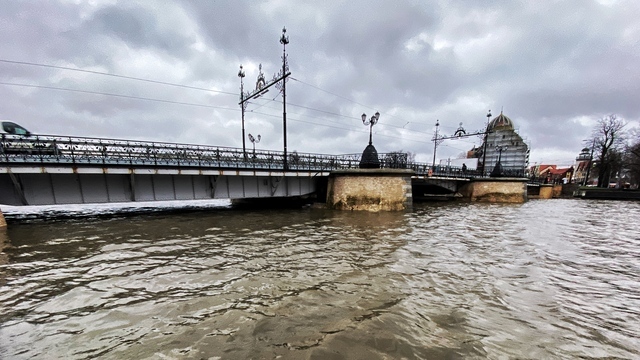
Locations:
{"points": [[425, 169], [82, 151]]}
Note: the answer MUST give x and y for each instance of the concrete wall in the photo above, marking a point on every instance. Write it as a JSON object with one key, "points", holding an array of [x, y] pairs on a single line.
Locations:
{"points": [[370, 190], [496, 190], [48, 188], [3, 223], [568, 190], [546, 191]]}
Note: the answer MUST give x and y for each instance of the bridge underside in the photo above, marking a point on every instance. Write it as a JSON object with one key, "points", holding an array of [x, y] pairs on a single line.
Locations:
{"points": [[78, 188], [436, 188]]}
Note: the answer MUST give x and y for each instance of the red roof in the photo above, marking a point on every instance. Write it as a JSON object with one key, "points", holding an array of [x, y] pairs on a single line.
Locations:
{"points": [[562, 171]]}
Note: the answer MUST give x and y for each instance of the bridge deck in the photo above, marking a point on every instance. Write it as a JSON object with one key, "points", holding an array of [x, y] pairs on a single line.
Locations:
{"points": [[56, 170]]}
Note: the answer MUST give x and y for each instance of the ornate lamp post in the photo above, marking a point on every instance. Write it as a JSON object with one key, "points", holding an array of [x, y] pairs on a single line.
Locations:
{"points": [[243, 106], [369, 158], [437, 140], [254, 140], [370, 123], [284, 40], [279, 80], [497, 170], [484, 151]]}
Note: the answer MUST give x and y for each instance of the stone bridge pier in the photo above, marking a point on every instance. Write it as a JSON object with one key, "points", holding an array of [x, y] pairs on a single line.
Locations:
{"points": [[370, 189], [496, 190]]}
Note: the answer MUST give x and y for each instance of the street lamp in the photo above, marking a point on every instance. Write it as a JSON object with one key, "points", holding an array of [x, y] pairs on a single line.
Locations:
{"points": [[370, 123], [484, 151], [284, 40], [243, 106], [279, 81], [497, 170], [436, 141], [369, 158], [254, 140]]}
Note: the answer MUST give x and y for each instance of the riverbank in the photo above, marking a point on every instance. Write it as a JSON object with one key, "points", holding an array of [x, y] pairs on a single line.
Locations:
{"points": [[606, 194]]}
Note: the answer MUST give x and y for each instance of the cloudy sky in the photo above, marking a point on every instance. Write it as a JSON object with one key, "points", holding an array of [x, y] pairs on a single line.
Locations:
{"points": [[167, 71]]}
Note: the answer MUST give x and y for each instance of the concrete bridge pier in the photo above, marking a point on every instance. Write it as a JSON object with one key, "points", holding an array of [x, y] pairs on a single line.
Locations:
{"points": [[370, 189], [496, 190], [546, 191], [3, 223]]}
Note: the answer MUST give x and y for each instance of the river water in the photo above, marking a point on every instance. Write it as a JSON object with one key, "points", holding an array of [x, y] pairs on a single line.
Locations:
{"points": [[549, 279]]}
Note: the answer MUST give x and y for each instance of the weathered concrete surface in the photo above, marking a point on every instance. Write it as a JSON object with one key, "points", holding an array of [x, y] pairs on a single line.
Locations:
{"points": [[370, 190], [557, 191], [546, 191], [496, 190], [3, 223]]}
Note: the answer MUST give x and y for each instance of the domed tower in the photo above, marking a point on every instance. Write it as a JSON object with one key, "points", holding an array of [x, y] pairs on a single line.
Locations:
{"points": [[505, 145], [501, 122]]}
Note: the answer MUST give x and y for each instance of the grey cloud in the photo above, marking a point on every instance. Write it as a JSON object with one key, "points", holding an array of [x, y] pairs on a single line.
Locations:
{"points": [[547, 64]]}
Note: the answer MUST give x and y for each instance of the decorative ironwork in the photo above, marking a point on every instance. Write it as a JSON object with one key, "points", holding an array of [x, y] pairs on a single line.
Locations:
{"points": [[96, 152], [243, 105], [42, 150], [260, 83], [262, 88], [460, 132], [284, 40]]}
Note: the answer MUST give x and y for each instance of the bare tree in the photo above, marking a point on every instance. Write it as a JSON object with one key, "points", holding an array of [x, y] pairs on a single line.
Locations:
{"points": [[632, 158], [608, 138]]}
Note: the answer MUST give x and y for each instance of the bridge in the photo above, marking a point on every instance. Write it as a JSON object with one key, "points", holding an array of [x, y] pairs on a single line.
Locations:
{"points": [[44, 170]]}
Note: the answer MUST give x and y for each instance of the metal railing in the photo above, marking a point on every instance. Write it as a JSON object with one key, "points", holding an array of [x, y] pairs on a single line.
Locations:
{"points": [[83, 151]]}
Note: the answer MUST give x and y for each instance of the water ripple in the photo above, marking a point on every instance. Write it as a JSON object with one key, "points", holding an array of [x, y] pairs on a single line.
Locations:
{"points": [[548, 279]]}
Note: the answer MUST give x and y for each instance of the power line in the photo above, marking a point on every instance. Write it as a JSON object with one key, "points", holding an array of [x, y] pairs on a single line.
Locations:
{"points": [[355, 102], [345, 116], [116, 95], [176, 85], [113, 75], [175, 102], [329, 92], [205, 106], [188, 87]]}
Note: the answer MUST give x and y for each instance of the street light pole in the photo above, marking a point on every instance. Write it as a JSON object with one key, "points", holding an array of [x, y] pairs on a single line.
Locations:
{"points": [[497, 170], [435, 145], [370, 123], [284, 40], [254, 140], [262, 87], [484, 151], [243, 106]]}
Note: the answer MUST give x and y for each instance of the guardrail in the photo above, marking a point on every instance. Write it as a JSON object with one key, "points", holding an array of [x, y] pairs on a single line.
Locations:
{"points": [[81, 151]]}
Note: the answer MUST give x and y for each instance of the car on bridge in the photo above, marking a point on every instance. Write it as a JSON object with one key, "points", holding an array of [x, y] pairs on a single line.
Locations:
{"points": [[15, 139]]}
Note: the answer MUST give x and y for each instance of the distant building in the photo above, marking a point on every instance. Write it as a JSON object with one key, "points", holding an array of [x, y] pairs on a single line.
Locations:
{"points": [[552, 174], [514, 156], [583, 162]]}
